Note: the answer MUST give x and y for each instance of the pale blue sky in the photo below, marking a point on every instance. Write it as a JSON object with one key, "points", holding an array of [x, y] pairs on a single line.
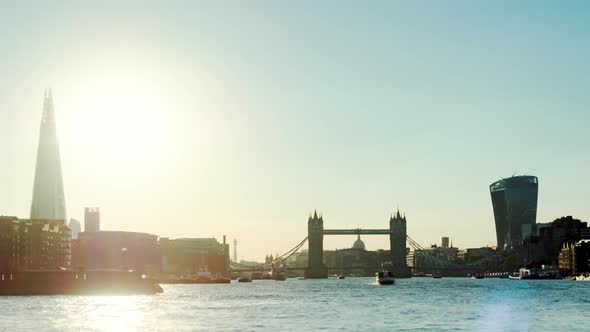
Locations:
{"points": [[240, 118]]}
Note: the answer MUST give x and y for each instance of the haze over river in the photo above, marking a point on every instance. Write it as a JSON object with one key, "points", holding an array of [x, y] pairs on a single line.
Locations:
{"points": [[353, 304]]}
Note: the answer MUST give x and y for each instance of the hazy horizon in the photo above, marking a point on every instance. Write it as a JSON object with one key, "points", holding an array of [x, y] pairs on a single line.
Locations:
{"points": [[211, 119]]}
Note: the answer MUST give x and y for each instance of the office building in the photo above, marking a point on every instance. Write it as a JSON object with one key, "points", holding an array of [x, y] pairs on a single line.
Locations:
{"points": [[48, 191], [514, 201], [445, 242], [91, 219], [75, 227]]}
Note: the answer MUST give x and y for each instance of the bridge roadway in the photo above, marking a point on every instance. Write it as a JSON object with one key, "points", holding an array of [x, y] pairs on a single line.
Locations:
{"points": [[357, 231]]}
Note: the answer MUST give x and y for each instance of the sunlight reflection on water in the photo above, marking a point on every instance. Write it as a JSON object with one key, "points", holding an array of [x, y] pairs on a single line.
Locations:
{"points": [[353, 304]]}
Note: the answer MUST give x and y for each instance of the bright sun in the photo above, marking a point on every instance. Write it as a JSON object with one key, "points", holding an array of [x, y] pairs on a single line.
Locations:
{"points": [[122, 124]]}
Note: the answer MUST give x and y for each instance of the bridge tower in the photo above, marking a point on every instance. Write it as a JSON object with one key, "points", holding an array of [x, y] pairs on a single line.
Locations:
{"points": [[316, 269], [397, 243]]}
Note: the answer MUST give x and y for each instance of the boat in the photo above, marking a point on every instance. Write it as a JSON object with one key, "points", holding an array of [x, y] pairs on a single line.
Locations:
{"points": [[219, 280], [582, 277], [476, 276], [341, 276], [384, 278], [203, 276], [535, 274], [244, 279], [66, 282], [437, 275], [278, 273]]}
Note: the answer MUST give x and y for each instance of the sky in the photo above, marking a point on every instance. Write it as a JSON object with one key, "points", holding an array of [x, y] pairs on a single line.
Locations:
{"points": [[204, 119]]}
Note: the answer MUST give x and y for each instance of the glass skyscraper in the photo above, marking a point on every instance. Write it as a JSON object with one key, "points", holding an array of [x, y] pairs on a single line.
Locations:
{"points": [[49, 201], [514, 201]]}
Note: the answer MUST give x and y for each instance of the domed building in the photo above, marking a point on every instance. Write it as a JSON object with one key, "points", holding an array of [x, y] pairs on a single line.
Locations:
{"points": [[358, 244]]}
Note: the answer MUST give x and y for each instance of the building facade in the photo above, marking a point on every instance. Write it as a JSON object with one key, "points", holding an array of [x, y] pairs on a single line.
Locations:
{"points": [[115, 250], [75, 227], [91, 219], [27, 244], [514, 201], [186, 256], [443, 256], [574, 258], [544, 248]]}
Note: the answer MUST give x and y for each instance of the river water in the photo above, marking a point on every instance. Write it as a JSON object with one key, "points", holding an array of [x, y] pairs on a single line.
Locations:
{"points": [[353, 304]]}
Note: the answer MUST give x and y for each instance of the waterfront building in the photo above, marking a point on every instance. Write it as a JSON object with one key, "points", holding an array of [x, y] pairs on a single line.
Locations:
{"points": [[484, 257], [114, 250], [235, 251], [545, 247], [91, 219], [48, 201], [75, 227], [9, 244], [27, 244], [186, 256], [514, 202], [426, 260], [356, 260], [574, 258]]}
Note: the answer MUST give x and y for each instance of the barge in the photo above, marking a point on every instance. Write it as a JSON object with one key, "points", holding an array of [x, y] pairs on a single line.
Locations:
{"points": [[65, 282]]}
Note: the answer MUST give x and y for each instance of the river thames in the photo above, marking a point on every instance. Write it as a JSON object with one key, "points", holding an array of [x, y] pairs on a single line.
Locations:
{"points": [[353, 304]]}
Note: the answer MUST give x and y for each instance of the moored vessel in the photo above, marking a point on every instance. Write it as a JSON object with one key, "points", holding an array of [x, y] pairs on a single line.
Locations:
{"points": [[278, 273], [535, 274], [65, 282]]}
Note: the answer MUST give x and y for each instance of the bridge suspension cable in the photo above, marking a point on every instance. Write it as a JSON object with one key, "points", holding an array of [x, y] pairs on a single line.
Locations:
{"points": [[419, 250], [278, 259]]}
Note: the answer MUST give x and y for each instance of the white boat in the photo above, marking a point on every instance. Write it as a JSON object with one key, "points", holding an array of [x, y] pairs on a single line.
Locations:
{"points": [[384, 278], [534, 274], [582, 278]]}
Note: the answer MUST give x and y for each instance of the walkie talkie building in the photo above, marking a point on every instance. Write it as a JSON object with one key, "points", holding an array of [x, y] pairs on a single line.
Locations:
{"points": [[514, 201]]}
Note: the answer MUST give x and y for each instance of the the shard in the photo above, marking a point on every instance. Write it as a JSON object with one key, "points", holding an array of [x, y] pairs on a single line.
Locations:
{"points": [[48, 190]]}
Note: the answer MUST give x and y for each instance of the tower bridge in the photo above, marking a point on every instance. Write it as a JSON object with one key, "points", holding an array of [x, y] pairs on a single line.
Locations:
{"points": [[316, 268]]}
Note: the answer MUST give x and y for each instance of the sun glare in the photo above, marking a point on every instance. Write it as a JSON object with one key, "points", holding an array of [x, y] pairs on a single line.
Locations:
{"points": [[121, 125]]}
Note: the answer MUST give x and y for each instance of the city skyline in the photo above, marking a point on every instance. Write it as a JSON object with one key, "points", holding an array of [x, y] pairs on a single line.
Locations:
{"points": [[163, 152]]}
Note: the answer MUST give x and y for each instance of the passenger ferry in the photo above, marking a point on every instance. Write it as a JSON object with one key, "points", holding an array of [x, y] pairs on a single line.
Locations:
{"points": [[534, 274]]}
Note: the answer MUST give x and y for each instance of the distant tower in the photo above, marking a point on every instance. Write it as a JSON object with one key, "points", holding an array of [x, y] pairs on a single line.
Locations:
{"points": [[48, 190], [75, 227], [316, 268], [235, 250], [92, 219], [397, 243], [445, 241]]}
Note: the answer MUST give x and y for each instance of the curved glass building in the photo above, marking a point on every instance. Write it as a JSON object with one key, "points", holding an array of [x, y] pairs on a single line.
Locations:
{"points": [[514, 201]]}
